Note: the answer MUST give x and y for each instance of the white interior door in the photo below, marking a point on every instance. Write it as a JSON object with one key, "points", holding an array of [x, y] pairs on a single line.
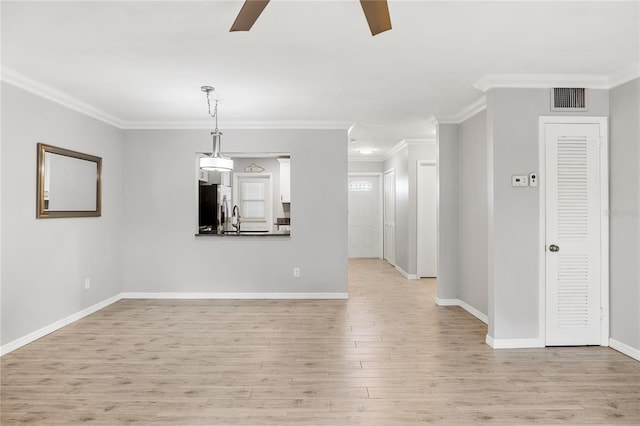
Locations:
{"points": [[573, 201], [427, 227], [389, 216], [364, 216]]}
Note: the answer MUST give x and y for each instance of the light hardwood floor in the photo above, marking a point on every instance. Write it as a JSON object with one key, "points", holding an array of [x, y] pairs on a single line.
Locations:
{"points": [[386, 356]]}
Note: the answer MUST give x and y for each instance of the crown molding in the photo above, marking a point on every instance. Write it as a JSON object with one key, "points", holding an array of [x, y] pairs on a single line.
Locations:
{"points": [[23, 82], [238, 125], [624, 75], [540, 81], [547, 81], [466, 112], [420, 141], [432, 120], [396, 148]]}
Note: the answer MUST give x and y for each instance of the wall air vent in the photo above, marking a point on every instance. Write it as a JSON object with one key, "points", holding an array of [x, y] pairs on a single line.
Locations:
{"points": [[568, 99]]}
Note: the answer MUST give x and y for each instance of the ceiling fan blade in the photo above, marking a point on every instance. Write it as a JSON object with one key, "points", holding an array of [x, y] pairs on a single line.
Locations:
{"points": [[377, 14], [251, 10]]}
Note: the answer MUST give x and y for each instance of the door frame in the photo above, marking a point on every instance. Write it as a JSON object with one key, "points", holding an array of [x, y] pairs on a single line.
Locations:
{"points": [[604, 219], [380, 207], [386, 172], [419, 225]]}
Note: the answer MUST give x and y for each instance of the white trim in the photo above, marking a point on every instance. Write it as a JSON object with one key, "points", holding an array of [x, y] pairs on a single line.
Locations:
{"points": [[432, 120], [514, 343], [31, 337], [604, 219], [473, 311], [404, 143], [421, 141], [624, 75], [350, 129], [396, 148], [406, 274], [625, 349], [464, 305], [238, 296], [542, 232], [23, 82], [239, 125], [380, 209], [447, 302], [466, 113], [547, 81], [541, 81], [384, 195]]}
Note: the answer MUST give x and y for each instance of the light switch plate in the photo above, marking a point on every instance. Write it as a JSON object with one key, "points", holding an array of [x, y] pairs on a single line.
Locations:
{"points": [[519, 180]]}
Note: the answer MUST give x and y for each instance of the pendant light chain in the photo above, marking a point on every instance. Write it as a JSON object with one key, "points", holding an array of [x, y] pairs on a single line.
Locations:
{"points": [[215, 109]]}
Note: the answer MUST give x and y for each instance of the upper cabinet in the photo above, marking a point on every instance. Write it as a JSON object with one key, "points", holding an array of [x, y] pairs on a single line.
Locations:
{"points": [[285, 179], [203, 176]]}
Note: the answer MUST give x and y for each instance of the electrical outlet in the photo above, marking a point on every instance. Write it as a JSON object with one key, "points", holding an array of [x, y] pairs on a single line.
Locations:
{"points": [[296, 272], [87, 283], [533, 179]]}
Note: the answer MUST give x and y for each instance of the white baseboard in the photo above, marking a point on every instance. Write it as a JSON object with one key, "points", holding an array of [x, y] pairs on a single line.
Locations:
{"points": [[447, 302], [514, 343], [31, 337], [244, 296], [473, 311], [457, 302], [406, 274], [625, 349]]}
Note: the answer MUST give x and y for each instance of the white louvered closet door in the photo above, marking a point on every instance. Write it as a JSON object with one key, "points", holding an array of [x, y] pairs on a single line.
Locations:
{"points": [[572, 234]]}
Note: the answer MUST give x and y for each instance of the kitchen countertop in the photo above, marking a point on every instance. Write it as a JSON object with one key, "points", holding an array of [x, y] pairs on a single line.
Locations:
{"points": [[233, 234]]}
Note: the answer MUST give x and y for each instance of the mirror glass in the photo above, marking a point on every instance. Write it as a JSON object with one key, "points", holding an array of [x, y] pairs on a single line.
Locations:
{"points": [[68, 183], [252, 199]]}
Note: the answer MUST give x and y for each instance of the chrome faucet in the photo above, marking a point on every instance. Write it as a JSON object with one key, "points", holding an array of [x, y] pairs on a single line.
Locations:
{"points": [[235, 211]]}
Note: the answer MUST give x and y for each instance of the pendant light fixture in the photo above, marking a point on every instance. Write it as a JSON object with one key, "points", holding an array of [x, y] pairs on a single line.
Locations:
{"points": [[215, 161]]}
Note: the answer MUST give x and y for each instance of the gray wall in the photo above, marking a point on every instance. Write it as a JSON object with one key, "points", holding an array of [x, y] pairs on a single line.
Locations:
{"points": [[472, 212], [45, 261], [400, 163], [447, 169], [161, 253], [624, 160], [512, 129]]}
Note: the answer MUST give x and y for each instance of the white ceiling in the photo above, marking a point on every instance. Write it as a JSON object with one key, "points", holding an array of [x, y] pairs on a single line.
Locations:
{"points": [[307, 60]]}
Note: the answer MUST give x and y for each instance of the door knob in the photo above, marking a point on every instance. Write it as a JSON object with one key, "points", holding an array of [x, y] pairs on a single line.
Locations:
{"points": [[554, 248]]}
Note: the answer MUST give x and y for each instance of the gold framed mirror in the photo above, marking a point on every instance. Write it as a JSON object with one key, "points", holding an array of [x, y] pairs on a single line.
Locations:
{"points": [[68, 183]]}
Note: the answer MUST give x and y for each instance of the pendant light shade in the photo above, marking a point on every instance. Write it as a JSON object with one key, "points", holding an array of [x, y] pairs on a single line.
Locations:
{"points": [[216, 163]]}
